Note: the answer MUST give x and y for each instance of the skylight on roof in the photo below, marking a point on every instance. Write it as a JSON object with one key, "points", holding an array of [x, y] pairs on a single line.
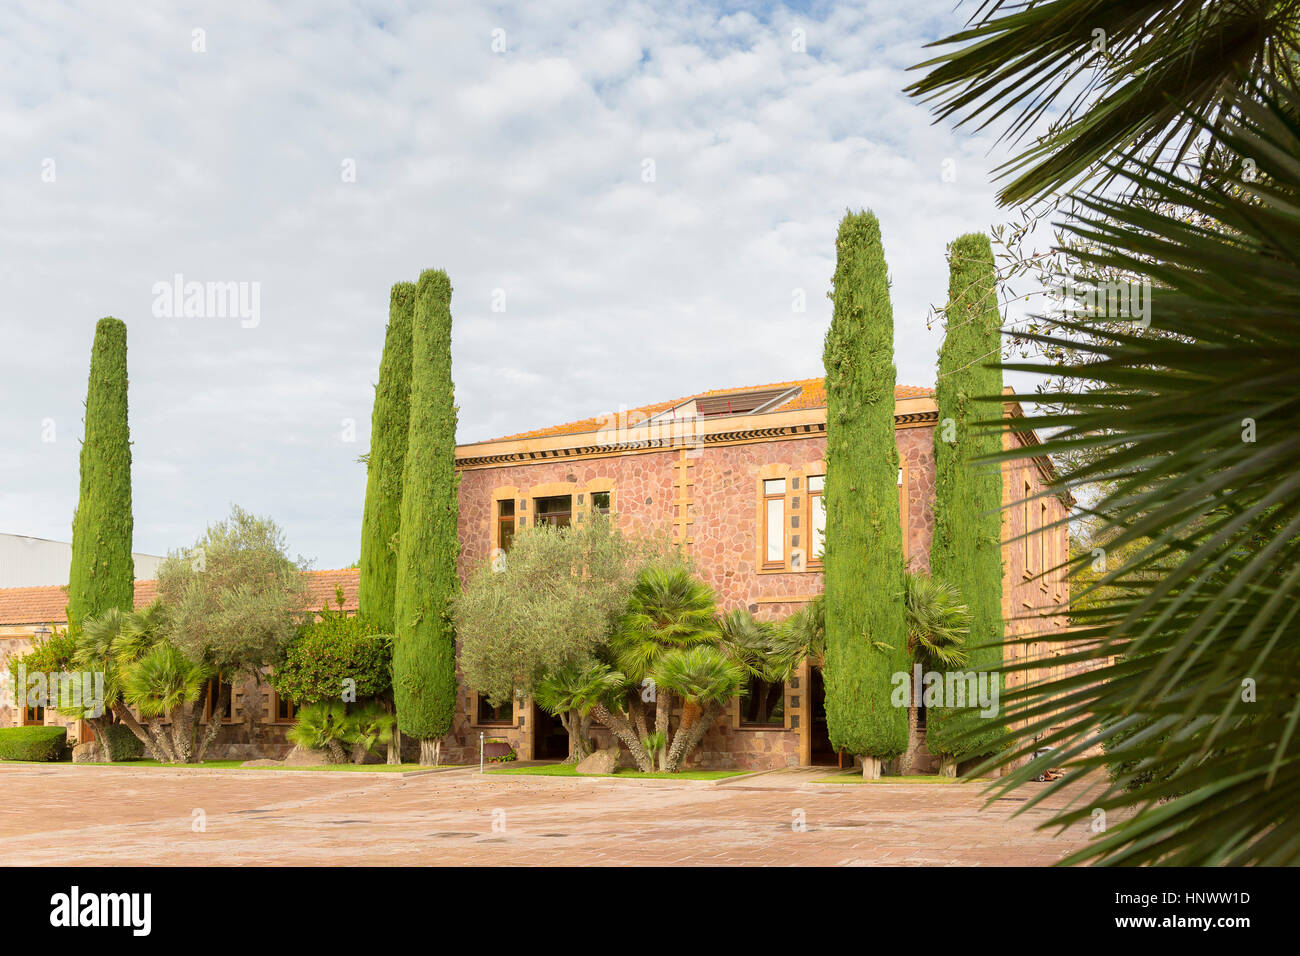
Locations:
{"points": [[743, 403]]}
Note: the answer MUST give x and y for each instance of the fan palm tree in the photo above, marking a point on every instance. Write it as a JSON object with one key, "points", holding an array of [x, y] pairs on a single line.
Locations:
{"points": [[572, 693], [1190, 676], [323, 726], [938, 624], [670, 609], [166, 684], [1144, 75], [702, 675]]}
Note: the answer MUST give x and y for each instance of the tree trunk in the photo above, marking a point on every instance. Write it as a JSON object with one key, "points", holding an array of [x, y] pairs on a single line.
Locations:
{"points": [[214, 723], [909, 755], [100, 726], [870, 767], [626, 733], [125, 716], [579, 745], [430, 752], [663, 715], [947, 766], [688, 738], [395, 747]]}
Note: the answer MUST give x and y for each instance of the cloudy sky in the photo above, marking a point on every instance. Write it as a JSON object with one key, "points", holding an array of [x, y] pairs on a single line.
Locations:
{"points": [[647, 189]]}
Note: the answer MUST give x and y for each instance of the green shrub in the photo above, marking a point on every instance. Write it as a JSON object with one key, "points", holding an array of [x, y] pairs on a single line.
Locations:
{"points": [[33, 743], [124, 744], [330, 651]]}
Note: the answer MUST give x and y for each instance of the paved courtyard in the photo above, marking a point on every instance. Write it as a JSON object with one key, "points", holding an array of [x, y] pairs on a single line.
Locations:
{"points": [[111, 815]]}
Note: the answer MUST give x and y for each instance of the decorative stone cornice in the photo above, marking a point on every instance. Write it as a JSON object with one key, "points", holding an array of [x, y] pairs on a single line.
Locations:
{"points": [[737, 436]]}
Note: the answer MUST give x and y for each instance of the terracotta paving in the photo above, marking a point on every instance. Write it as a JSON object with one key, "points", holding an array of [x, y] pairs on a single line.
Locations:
{"points": [[109, 815]]}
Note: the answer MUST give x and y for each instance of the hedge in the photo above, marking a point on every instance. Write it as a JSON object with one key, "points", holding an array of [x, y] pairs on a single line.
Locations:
{"points": [[33, 743]]}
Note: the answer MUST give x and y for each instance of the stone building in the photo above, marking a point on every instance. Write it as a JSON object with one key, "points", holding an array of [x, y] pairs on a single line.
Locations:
{"points": [[736, 477]]}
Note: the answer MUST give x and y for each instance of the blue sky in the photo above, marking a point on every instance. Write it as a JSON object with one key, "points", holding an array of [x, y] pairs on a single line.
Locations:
{"points": [[131, 156]]}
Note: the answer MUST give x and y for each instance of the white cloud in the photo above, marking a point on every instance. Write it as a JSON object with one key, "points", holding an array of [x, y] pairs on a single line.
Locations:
{"points": [[519, 171]]}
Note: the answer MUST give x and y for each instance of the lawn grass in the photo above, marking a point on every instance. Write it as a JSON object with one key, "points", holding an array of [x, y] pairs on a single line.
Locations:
{"points": [[238, 765], [570, 770], [855, 776]]}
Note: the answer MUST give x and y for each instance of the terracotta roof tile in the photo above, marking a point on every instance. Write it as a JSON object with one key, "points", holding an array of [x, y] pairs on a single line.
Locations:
{"points": [[812, 394], [48, 605]]}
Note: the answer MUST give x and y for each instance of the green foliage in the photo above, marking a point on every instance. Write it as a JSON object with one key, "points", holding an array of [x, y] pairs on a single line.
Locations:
{"points": [[322, 726], [163, 680], [103, 572], [326, 653], [33, 743], [669, 609], [124, 744], [702, 674], [938, 623], [369, 726], [966, 549], [552, 602], [578, 687], [235, 599], [424, 652], [865, 637], [384, 464], [1159, 69], [1193, 666]]}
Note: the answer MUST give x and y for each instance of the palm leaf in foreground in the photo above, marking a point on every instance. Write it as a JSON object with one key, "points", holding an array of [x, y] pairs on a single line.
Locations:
{"points": [[1188, 670]]}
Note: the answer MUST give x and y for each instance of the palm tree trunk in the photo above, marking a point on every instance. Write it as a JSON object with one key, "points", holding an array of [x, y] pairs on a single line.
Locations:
{"points": [[626, 733], [909, 755], [663, 713], [688, 738], [145, 737]]}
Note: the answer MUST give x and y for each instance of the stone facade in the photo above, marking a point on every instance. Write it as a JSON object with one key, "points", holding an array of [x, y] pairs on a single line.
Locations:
{"points": [[706, 490]]}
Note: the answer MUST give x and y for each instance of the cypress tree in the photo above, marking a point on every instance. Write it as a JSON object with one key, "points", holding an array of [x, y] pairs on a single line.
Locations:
{"points": [[966, 550], [103, 571], [388, 438], [866, 641], [424, 653]]}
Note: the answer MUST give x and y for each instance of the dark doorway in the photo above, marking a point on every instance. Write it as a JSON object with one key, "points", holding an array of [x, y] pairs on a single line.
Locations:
{"points": [[822, 753], [550, 739]]}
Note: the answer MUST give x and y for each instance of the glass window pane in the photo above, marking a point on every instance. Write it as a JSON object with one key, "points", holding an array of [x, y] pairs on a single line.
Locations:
{"points": [[600, 501], [774, 486], [818, 526], [776, 530], [816, 482]]}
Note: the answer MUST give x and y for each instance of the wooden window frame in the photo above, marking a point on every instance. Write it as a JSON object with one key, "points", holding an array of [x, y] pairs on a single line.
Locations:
{"points": [[783, 724], [814, 497], [569, 513], [502, 521], [766, 497], [211, 694], [1044, 532], [275, 709], [1027, 510], [476, 704]]}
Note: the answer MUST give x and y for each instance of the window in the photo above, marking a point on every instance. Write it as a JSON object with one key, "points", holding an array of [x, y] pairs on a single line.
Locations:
{"points": [[816, 518], [33, 716], [764, 705], [600, 502], [505, 523], [555, 511], [284, 711], [212, 699], [1044, 554], [774, 523], [499, 716], [1027, 510]]}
